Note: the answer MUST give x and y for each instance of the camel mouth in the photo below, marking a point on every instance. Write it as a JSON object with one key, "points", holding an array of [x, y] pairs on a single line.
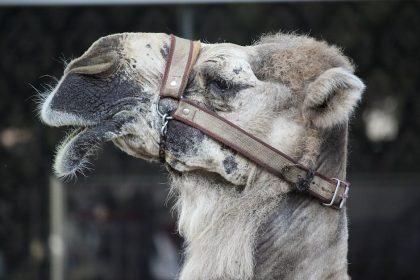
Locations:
{"points": [[79, 145]]}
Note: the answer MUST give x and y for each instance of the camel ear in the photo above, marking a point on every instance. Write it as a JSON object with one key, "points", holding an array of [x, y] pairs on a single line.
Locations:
{"points": [[332, 97]]}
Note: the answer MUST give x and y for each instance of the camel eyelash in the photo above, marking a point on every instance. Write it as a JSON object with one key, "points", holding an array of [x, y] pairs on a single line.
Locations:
{"points": [[221, 84], [225, 87], [218, 84]]}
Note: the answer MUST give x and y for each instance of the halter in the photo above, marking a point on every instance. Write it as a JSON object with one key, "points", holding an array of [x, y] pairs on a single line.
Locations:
{"points": [[183, 54]]}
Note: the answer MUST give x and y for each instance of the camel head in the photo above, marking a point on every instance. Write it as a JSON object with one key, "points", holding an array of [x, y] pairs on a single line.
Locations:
{"points": [[285, 89]]}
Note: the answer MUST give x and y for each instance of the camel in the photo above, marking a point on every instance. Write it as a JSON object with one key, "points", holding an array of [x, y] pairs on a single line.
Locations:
{"points": [[239, 221]]}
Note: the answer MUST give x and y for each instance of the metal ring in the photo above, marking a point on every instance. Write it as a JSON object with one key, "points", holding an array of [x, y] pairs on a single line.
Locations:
{"points": [[344, 197], [165, 119], [164, 127], [158, 111]]}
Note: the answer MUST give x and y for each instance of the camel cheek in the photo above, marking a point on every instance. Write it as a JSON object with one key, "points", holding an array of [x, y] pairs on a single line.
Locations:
{"points": [[230, 164], [182, 139], [284, 134]]}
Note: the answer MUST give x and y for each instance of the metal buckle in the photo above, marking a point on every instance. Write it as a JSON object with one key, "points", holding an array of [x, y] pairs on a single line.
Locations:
{"points": [[344, 197], [165, 120]]}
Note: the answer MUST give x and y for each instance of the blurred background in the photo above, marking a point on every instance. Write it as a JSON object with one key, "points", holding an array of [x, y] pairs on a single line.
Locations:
{"points": [[114, 224]]}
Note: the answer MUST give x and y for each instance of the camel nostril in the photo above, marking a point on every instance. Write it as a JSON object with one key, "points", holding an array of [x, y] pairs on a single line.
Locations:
{"points": [[92, 64], [92, 69]]}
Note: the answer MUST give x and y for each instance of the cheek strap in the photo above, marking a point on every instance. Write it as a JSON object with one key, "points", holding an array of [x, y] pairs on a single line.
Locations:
{"points": [[182, 56]]}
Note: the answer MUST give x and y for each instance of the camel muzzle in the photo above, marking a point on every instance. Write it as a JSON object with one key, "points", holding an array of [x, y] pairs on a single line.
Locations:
{"points": [[78, 102]]}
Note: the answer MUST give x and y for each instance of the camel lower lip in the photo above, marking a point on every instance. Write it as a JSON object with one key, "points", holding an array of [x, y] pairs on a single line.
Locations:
{"points": [[71, 154], [74, 152]]}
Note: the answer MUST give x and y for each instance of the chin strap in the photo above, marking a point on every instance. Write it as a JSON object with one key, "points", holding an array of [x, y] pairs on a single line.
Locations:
{"points": [[182, 56]]}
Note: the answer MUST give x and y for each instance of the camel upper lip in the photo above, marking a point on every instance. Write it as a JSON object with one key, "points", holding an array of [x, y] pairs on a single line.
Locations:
{"points": [[57, 118]]}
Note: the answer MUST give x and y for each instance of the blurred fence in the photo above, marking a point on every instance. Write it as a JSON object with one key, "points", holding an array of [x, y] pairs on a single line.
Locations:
{"points": [[114, 228]]}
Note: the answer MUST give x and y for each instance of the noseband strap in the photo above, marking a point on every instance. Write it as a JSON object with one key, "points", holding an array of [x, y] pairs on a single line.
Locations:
{"points": [[182, 56]]}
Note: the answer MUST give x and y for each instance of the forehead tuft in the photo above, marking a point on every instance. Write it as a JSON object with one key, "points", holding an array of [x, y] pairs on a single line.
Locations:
{"points": [[223, 51], [294, 59]]}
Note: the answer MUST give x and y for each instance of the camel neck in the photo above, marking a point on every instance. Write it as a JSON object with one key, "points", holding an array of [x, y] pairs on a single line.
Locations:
{"points": [[263, 232], [302, 240]]}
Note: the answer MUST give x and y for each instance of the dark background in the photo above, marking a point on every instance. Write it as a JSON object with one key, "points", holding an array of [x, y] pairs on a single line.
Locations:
{"points": [[382, 38]]}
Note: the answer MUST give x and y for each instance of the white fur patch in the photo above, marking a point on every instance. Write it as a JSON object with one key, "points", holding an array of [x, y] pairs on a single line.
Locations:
{"points": [[144, 51], [284, 134]]}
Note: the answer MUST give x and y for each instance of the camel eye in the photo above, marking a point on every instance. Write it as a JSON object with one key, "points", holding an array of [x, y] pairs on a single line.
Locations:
{"points": [[219, 86]]}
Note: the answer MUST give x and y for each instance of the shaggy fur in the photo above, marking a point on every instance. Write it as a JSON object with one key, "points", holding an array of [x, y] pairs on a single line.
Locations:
{"points": [[238, 220]]}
